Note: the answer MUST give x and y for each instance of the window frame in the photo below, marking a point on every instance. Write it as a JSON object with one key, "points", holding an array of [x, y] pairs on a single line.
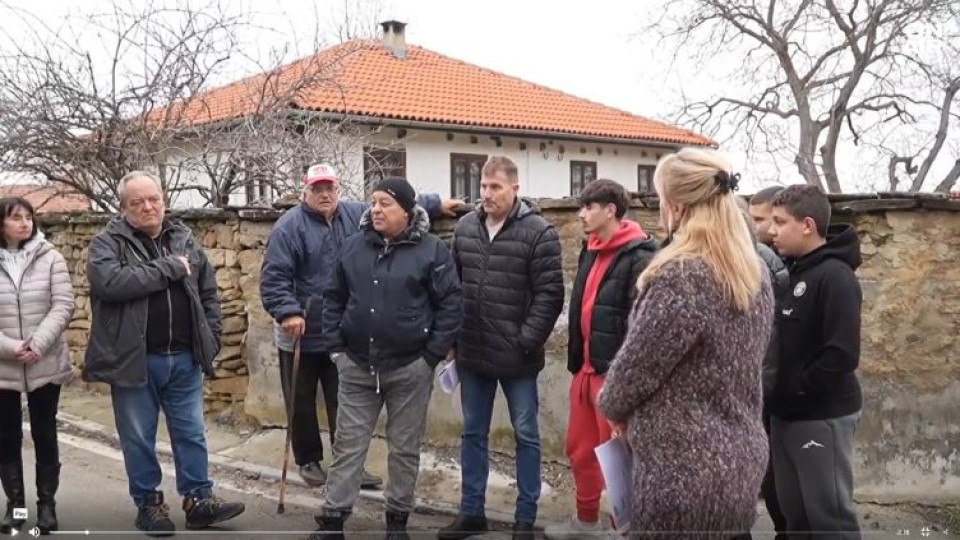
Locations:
{"points": [[584, 166]]}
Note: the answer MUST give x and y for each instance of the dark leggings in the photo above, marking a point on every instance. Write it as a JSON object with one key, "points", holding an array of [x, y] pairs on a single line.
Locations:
{"points": [[43, 403]]}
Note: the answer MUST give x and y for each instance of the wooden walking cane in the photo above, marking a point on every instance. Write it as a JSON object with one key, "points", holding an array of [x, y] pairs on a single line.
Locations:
{"points": [[286, 445]]}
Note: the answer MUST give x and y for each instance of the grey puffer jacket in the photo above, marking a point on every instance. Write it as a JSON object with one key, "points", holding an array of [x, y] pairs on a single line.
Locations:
{"points": [[38, 307]]}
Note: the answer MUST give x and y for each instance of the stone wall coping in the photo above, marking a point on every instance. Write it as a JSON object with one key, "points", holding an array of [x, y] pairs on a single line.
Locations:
{"points": [[852, 203]]}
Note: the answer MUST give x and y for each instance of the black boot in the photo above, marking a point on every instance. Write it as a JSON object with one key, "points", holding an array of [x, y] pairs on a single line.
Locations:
{"points": [[11, 476], [523, 530], [48, 480], [463, 527], [397, 525], [331, 526]]}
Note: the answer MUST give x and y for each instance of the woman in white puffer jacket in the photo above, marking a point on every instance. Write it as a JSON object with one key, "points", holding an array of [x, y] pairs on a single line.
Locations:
{"points": [[36, 305]]}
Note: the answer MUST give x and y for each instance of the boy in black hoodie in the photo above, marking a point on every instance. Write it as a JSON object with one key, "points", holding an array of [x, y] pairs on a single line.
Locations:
{"points": [[816, 400]]}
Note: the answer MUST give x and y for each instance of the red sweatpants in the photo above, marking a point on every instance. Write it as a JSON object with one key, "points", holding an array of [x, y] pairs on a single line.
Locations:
{"points": [[586, 430]]}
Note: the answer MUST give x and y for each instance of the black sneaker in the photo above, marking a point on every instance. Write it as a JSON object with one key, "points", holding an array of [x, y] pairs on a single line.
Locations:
{"points": [[523, 531], [202, 513], [463, 527], [331, 527], [313, 474], [153, 516]]}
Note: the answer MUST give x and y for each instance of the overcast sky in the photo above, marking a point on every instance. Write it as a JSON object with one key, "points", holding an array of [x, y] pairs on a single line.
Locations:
{"points": [[592, 49]]}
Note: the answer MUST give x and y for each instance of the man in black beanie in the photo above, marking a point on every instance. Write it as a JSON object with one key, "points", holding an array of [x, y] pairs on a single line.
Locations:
{"points": [[391, 313], [400, 190]]}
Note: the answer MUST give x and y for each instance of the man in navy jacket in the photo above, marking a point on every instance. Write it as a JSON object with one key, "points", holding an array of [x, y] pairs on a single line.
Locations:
{"points": [[300, 253], [391, 313]]}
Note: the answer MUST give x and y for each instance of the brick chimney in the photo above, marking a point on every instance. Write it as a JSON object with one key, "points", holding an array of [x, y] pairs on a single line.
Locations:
{"points": [[394, 39]]}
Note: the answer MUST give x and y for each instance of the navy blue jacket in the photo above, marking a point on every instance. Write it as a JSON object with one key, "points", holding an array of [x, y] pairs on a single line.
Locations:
{"points": [[299, 257], [388, 304]]}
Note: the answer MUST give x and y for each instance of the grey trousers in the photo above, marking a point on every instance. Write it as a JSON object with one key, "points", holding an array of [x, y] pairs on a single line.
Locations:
{"points": [[812, 465], [406, 394]]}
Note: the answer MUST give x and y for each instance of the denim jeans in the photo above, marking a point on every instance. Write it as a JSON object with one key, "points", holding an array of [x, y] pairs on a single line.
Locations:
{"points": [[175, 385], [476, 397]]}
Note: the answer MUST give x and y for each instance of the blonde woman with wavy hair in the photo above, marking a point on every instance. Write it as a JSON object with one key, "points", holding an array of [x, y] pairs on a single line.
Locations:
{"points": [[684, 389]]}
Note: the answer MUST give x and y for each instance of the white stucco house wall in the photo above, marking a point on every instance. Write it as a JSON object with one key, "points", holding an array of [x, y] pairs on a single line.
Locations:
{"points": [[435, 120]]}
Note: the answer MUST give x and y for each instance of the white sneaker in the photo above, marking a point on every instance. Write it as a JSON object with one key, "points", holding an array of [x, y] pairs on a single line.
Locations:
{"points": [[574, 529]]}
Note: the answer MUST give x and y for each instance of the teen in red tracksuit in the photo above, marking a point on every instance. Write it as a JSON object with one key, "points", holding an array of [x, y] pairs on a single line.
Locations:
{"points": [[615, 253]]}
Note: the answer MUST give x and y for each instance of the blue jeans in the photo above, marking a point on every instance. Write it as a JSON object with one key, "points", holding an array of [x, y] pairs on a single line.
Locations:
{"points": [[476, 398], [174, 384]]}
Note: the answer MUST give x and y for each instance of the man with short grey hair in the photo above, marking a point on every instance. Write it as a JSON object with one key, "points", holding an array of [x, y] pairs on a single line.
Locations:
{"points": [[155, 332]]}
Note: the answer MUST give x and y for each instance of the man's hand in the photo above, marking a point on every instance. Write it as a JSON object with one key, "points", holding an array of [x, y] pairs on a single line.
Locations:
{"points": [[448, 207], [186, 263], [294, 325], [452, 354]]}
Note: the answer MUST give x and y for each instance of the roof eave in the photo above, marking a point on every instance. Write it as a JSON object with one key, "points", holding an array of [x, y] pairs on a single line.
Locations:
{"points": [[501, 131]]}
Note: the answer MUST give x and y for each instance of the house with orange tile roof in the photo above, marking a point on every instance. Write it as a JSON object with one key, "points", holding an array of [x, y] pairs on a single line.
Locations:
{"points": [[47, 199], [436, 119]]}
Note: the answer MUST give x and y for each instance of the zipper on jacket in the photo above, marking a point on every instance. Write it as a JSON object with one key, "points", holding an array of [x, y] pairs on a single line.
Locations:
{"points": [[20, 322], [18, 286], [160, 253]]}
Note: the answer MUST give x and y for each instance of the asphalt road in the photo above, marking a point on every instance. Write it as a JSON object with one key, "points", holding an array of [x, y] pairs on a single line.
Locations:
{"points": [[93, 501]]}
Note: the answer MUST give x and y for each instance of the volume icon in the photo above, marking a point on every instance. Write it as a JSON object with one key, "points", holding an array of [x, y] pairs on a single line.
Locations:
{"points": [[35, 532]]}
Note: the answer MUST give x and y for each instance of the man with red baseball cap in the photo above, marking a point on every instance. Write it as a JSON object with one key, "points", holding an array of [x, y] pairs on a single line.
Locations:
{"points": [[300, 253]]}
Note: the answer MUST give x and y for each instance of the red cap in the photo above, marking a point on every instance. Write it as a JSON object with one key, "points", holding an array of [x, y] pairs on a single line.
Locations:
{"points": [[322, 172]]}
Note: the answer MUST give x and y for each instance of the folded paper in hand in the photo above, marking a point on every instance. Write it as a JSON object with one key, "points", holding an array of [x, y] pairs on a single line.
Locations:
{"points": [[616, 462], [448, 377]]}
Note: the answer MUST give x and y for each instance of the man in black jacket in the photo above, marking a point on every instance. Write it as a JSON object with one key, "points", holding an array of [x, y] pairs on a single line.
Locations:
{"points": [[816, 400], [391, 313], [508, 257], [615, 253], [155, 331], [761, 214]]}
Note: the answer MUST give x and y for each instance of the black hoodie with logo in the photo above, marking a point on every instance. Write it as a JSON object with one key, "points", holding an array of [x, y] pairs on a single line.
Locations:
{"points": [[818, 320]]}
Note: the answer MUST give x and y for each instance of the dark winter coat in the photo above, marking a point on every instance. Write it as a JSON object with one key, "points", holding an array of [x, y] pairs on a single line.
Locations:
{"points": [[388, 304], [512, 291], [685, 384], [780, 278], [818, 324], [298, 260], [611, 309], [123, 275]]}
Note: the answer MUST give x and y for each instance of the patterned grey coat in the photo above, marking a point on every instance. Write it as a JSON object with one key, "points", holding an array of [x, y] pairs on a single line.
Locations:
{"points": [[687, 384], [38, 307]]}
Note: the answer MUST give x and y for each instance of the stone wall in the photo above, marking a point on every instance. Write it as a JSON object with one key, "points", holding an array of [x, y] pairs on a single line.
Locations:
{"points": [[906, 445]]}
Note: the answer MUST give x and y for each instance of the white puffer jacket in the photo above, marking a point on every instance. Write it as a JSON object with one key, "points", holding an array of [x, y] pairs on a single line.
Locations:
{"points": [[39, 308]]}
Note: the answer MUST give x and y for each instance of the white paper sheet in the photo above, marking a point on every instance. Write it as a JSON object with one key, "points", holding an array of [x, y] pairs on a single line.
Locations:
{"points": [[448, 377], [616, 462]]}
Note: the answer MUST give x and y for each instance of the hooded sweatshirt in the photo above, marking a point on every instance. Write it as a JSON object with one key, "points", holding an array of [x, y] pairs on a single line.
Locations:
{"points": [[605, 251], [818, 325]]}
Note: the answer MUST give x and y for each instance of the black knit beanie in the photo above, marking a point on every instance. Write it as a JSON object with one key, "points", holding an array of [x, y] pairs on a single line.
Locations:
{"points": [[400, 190]]}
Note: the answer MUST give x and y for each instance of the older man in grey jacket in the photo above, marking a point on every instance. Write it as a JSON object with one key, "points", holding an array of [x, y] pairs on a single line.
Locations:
{"points": [[155, 331]]}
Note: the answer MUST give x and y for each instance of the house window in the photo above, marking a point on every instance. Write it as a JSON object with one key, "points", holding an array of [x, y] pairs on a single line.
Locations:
{"points": [[465, 176], [645, 178], [258, 191], [379, 163], [581, 174]]}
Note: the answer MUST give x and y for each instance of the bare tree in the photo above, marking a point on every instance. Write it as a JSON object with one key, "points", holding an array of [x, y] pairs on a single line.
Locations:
{"points": [[813, 72], [78, 114], [83, 118]]}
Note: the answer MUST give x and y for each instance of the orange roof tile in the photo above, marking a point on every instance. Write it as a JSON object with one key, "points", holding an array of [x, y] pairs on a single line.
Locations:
{"points": [[47, 199], [363, 78]]}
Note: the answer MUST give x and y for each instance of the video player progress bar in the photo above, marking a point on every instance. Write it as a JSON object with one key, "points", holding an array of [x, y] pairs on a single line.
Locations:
{"points": [[89, 532]]}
